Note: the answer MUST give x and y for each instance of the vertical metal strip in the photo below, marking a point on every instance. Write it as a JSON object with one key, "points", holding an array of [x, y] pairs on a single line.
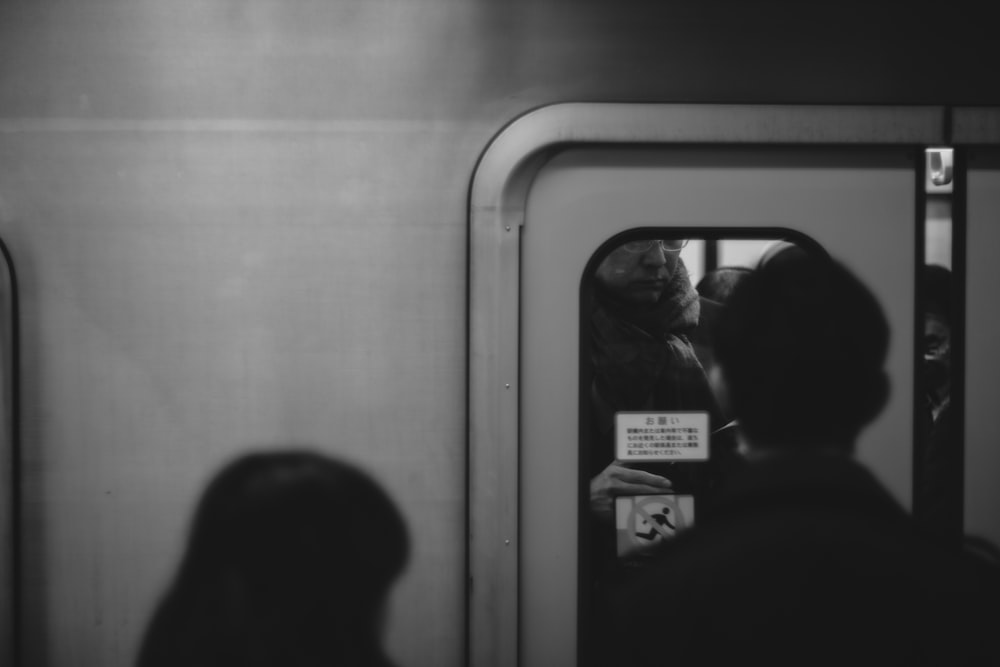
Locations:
{"points": [[959, 272], [919, 438], [10, 561], [493, 461], [711, 255], [496, 223]]}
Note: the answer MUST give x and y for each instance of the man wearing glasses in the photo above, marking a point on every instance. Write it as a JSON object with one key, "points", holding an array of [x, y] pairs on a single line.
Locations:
{"points": [[642, 357]]}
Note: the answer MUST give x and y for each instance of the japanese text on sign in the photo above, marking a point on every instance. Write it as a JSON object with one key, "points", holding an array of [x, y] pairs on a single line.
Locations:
{"points": [[661, 436]]}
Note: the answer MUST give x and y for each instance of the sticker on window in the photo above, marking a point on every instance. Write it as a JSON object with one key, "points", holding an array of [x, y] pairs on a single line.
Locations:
{"points": [[661, 436], [644, 522]]}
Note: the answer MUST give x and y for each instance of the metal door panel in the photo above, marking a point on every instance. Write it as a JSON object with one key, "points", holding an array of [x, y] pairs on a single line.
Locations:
{"points": [[860, 206], [191, 292], [982, 367]]}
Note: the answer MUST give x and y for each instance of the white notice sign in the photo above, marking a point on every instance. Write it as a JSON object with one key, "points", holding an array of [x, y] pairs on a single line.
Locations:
{"points": [[661, 436]]}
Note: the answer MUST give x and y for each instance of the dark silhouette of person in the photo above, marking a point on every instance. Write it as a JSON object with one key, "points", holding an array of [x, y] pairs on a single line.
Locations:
{"points": [[715, 288], [289, 562], [937, 502], [719, 283], [661, 519], [806, 559], [642, 358]]}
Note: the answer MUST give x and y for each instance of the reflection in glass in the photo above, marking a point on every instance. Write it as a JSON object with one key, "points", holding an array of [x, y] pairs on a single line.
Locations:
{"points": [[646, 354], [643, 315]]}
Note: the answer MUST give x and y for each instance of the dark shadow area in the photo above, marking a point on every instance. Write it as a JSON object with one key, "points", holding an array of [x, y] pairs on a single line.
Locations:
{"points": [[657, 441], [290, 560]]}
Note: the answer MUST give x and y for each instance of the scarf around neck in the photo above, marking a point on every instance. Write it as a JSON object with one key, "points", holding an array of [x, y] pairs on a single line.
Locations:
{"points": [[641, 356], [676, 311]]}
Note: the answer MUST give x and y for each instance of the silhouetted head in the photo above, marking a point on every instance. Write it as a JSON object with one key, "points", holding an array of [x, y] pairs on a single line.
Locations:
{"points": [[801, 348], [718, 284], [289, 562], [784, 251]]}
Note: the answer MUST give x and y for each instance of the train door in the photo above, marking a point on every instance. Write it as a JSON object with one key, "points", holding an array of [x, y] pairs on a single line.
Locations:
{"points": [[859, 207], [977, 247], [569, 186]]}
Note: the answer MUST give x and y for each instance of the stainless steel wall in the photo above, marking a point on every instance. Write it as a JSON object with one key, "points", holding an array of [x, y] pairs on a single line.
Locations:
{"points": [[244, 222]]}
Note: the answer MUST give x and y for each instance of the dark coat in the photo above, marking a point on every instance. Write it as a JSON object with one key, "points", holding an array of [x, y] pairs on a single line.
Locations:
{"points": [[649, 367], [938, 497], [807, 560]]}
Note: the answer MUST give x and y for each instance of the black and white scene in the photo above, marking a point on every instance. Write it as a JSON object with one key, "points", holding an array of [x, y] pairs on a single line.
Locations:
{"points": [[499, 333]]}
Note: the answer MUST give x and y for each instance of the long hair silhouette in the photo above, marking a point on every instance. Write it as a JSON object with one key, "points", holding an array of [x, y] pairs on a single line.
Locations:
{"points": [[289, 561]]}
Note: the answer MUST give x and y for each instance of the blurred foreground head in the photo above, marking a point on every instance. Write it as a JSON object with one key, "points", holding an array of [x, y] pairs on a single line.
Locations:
{"points": [[718, 284], [801, 349], [289, 561]]}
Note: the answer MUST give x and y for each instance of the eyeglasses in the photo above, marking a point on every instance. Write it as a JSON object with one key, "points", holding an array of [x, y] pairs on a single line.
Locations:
{"points": [[639, 247]]}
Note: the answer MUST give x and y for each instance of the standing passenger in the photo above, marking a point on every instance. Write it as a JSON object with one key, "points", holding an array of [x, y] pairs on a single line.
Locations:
{"points": [[641, 357], [807, 559], [937, 503], [289, 563]]}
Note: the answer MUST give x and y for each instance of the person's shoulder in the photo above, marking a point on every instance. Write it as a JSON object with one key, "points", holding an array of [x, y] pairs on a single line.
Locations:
{"points": [[966, 590]]}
